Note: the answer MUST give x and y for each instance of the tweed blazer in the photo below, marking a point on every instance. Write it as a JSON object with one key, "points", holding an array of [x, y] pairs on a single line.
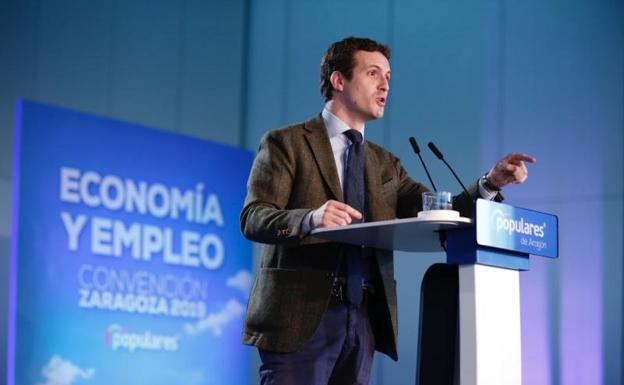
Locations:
{"points": [[293, 173]]}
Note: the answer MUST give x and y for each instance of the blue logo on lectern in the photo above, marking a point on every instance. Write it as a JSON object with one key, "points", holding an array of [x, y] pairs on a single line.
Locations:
{"points": [[516, 229]]}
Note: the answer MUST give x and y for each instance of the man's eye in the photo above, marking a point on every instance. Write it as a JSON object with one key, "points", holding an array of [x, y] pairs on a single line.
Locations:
{"points": [[372, 73]]}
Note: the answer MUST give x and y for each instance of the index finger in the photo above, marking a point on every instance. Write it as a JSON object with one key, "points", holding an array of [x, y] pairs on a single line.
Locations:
{"points": [[519, 156]]}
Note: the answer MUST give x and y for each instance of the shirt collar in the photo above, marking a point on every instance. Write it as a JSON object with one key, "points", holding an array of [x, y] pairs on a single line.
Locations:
{"points": [[335, 126]]}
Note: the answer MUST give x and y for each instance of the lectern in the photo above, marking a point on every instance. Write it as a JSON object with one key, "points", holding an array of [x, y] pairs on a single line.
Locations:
{"points": [[489, 251]]}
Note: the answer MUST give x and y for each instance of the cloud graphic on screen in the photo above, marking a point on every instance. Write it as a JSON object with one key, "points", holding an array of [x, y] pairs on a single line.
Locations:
{"points": [[241, 281], [63, 372], [215, 322]]}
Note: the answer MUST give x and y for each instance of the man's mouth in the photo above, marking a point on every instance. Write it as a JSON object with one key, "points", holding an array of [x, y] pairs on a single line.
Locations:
{"points": [[381, 101]]}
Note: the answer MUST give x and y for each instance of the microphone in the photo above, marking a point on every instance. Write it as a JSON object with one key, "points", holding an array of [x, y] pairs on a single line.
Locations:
{"points": [[438, 154], [417, 151]]}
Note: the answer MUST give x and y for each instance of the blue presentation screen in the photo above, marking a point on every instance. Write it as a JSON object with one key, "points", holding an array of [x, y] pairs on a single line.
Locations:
{"points": [[128, 266]]}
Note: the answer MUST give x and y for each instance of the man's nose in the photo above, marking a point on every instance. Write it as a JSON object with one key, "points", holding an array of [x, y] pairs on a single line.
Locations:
{"points": [[384, 84]]}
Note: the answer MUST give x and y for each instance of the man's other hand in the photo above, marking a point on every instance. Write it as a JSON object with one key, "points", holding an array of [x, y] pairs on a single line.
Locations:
{"points": [[510, 169], [333, 213]]}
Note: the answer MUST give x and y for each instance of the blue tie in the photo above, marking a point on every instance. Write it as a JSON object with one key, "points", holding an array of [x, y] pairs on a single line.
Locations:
{"points": [[354, 197]]}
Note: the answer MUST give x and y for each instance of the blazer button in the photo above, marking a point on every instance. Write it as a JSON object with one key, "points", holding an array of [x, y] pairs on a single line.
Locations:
{"points": [[283, 232]]}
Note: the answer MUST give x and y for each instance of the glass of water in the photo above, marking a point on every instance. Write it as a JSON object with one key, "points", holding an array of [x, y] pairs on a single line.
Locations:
{"points": [[440, 200]]}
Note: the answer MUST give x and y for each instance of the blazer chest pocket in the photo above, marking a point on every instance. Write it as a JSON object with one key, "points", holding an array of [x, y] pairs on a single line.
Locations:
{"points": [[389, 190]]}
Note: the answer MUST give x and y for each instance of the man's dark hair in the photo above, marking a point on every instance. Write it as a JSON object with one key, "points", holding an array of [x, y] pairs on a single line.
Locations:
{"points": [[340, 56]]}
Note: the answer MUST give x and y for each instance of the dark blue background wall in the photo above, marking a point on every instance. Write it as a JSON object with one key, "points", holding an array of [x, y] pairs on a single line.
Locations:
{"points": [[480, 78]]}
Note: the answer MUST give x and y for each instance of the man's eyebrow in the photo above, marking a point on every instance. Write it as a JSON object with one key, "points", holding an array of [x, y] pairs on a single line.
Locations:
{"points": [[376, 66]]}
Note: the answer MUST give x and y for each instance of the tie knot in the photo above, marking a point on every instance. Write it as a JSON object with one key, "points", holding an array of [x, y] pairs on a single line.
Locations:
{"points": [[354, 136]]}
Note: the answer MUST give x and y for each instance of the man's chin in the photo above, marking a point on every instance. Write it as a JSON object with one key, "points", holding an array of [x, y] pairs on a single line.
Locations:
{"points": [[374, 114]]}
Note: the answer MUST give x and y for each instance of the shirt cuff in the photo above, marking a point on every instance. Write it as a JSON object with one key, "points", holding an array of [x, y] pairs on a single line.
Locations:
{"points": [[307, 225], [485, 192]]}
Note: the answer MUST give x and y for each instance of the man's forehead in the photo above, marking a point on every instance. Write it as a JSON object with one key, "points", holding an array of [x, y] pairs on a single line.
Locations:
{"points": [[375, 59]]}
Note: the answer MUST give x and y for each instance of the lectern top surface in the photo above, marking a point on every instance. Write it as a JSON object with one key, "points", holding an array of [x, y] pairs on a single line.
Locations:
{"points": [[407, 234]]}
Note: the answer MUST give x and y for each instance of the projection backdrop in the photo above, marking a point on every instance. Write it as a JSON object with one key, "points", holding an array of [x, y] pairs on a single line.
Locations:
{"points": [[128, 266]]}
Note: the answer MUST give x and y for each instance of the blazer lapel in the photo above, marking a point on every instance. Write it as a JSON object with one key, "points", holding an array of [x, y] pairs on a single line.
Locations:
{"points": [[321, 149], [373, 184]]}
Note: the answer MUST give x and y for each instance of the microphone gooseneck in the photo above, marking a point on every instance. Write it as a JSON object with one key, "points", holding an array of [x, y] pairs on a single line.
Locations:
{"points": [[417, 151], [439, 155]]}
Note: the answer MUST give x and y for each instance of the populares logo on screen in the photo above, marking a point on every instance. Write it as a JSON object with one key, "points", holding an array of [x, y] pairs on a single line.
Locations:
{"points": [[519, 226], [117, 337]]}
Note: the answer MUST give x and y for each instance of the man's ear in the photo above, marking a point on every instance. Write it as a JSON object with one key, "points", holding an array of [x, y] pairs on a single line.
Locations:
{"points": [[337, 81]]}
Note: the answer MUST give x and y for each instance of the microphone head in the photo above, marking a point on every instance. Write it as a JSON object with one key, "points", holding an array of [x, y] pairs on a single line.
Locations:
{"points": [[435, 150], [414, 145]]}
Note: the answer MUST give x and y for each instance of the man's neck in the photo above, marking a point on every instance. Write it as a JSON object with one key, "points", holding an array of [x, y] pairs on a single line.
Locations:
{"points": [[342, 113]]}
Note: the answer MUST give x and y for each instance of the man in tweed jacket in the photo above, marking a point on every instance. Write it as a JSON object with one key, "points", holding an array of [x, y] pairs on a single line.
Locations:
{"points": [[305, 331]]}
